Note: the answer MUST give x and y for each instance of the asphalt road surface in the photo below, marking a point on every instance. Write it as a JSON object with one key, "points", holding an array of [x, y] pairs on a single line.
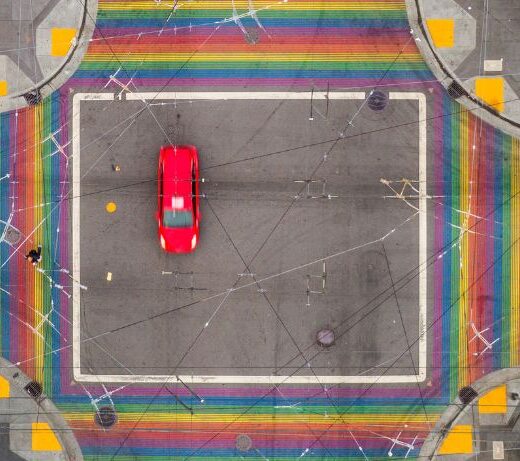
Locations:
{"points": [[257, 217]]}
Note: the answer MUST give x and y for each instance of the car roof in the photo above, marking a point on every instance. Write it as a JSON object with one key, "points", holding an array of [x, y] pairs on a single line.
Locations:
{"points": [[177, 179]]}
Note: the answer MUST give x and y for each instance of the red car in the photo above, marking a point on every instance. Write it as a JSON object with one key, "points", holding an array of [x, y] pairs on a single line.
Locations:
{"points": [[178, 213]]}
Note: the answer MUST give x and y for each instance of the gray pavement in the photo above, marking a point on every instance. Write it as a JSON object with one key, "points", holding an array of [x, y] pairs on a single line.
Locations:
{"points": [[41, 44], [486, 45], [51, 440], [489, 426], [249, 214]]}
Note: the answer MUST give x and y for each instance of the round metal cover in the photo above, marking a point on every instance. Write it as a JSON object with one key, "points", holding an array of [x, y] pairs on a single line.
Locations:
{"points": [[106, 417], [243, 442], [325, 337], [377, 101], [12, 236]]}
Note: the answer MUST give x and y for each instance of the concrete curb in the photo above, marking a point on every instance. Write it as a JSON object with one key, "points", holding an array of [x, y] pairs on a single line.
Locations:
{"points": [[446, 77], [51, 83], [17, 379], [456, 409]]}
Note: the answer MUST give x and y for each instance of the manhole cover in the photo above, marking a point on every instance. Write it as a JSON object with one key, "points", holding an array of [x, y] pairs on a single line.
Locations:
{"points": [[244, 442], [106, 417], [325, 337], [377, 101], [34, 389], [12, 236]]}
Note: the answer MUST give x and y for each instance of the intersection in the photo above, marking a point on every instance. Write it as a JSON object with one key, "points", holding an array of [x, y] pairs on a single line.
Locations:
{"points": [[355, 279]]}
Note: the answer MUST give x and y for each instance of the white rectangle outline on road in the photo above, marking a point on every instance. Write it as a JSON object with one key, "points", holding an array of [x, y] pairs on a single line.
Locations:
{"points": [[215, 379]]}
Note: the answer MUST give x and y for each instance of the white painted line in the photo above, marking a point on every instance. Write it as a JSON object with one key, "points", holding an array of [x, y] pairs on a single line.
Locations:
{"points": [[215, 379], [237, 95], [76, 190], [423, 228]]}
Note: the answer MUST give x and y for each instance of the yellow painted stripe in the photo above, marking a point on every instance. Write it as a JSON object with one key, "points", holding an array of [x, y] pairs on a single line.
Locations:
{"points": [[38, 238], [258, 4]]}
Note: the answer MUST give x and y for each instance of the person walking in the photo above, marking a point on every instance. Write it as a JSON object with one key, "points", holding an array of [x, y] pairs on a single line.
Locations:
{"points": [[35, 256]]}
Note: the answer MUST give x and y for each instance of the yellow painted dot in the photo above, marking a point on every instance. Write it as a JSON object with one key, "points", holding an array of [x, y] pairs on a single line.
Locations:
{"points": [[111, 207], [3, 88]]}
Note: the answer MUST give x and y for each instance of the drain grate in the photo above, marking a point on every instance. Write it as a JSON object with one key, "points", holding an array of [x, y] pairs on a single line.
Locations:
{"points": [[34, 389], [455, 90], [33, 97], [377, 101], [243, 443], [105, 417], [467, 394]]}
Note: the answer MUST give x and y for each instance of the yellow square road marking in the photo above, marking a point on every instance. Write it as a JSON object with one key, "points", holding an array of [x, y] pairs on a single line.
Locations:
{"points": [[458, 441], [442, 32], [491, 91], [43, 438], [4, 388], [61, 41], [494, 401], [3, 88]]}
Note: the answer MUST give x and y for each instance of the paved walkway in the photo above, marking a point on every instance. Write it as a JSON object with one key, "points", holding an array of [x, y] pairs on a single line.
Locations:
{"points": [[483, 422], [31, 427], [475, 48], [41, 44]]}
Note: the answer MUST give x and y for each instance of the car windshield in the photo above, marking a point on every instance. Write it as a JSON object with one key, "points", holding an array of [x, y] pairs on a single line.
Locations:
{"points": [[177, 218]]}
